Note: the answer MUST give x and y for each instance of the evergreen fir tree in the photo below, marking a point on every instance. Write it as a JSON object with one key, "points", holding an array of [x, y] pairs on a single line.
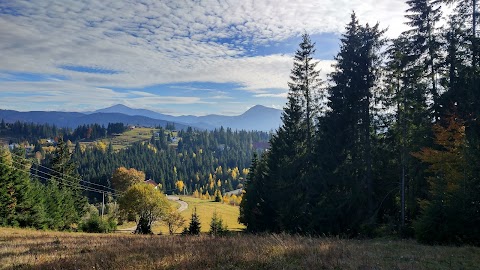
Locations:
{"points": [[8, 201], [194, 225], [288, 157], [424, 45], [64, 171], [217, 228], [344, 150]]}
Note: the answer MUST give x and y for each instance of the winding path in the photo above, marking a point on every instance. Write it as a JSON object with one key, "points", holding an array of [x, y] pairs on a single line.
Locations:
{"points": [[183, 207]]}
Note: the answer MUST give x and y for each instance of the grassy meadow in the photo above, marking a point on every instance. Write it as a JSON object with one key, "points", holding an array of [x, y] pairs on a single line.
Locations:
{"points": [[205, 210], [129, 137], [29, 249]]}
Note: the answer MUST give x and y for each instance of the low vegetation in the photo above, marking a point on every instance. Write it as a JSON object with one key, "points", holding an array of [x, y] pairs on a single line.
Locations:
{"points": [[27, 249]]}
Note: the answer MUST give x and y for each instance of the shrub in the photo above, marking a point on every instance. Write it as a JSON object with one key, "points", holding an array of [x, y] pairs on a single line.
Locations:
{"points": [[217, 228]]}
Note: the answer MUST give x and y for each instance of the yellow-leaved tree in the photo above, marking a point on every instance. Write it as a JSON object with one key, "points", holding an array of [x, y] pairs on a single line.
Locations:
{"points": [[180, 185], [123, 178], [146, 203]]}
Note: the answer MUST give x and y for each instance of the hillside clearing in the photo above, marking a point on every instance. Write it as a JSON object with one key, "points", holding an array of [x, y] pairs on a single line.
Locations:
{"points": [[205, 210], [28, 249], [129, 137]]}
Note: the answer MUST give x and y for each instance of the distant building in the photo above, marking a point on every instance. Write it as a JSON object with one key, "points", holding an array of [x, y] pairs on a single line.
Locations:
{"points": [[151, 182]]}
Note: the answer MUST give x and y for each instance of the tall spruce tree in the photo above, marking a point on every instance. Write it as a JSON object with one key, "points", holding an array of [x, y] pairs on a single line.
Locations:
{"points": [[306, 83], [424, 44], [345, 133], [411, 127], [291, 148]]}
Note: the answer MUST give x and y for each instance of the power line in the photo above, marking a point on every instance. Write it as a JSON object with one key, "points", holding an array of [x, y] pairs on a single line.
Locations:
{"points": [[66, 175], [63, 182]]}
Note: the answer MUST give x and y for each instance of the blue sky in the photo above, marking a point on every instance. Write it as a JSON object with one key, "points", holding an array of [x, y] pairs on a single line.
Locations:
{"points": [[175, 57]]}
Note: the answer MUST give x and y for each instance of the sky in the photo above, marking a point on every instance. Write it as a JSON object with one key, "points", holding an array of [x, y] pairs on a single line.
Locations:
{"points": [[176, 57]]}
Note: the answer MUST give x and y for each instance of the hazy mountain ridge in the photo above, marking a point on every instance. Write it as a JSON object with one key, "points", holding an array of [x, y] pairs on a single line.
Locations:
{"points": [[256, 118], [74, 119]]}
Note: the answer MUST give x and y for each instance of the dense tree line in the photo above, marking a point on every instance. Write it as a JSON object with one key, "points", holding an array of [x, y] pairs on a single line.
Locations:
{"points": [[20, 131], [390, 145], [31, 132], [92, 132]]}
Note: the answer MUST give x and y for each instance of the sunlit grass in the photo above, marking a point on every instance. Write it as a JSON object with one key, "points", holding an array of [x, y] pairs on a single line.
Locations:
{"points": [[29, 249], [129, 137], [205, 210]]}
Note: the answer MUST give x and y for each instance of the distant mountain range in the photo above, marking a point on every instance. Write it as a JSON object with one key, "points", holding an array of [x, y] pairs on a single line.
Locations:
{"points": [[256, 118]]}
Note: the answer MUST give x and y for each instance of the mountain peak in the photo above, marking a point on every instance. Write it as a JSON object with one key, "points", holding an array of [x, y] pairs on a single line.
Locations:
{"points": [[260, 109], [120, 105], [117, 106]]}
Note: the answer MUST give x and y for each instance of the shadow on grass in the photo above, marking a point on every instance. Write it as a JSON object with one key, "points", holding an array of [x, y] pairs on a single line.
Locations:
{"points": [[239, 251]]}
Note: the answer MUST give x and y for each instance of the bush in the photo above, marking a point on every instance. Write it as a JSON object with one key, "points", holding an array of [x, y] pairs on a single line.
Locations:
{"points": [[217, 228], [93, 223]]}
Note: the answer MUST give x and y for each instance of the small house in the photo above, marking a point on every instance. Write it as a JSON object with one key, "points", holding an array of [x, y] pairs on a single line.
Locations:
{"points": [[151, 182]]}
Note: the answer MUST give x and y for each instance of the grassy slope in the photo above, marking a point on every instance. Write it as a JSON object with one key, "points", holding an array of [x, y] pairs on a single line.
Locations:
{"points": [[205, 210], [130, 136], [26, 249]]}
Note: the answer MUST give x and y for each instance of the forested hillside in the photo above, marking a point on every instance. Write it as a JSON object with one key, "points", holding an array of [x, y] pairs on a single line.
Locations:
{"points": [[198, 159], [392, 144]]}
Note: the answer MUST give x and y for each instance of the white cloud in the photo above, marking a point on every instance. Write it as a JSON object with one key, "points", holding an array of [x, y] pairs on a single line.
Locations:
{"points": [[271, 95], [64, 96], [157, 42]]}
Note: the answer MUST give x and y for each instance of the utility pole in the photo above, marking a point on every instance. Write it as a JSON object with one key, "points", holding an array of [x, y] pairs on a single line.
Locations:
{"points": [[103, 203]]}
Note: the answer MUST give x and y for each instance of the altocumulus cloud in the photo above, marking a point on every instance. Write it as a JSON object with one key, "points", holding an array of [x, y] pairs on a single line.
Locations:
{"points": [[99, 45]]}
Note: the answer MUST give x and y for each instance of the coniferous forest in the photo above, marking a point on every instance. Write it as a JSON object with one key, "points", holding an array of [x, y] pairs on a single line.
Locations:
{"points": [[388, 145]]}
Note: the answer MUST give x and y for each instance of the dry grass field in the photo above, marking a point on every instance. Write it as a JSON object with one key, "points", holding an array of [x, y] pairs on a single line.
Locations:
{"points": [[28, 249]]}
